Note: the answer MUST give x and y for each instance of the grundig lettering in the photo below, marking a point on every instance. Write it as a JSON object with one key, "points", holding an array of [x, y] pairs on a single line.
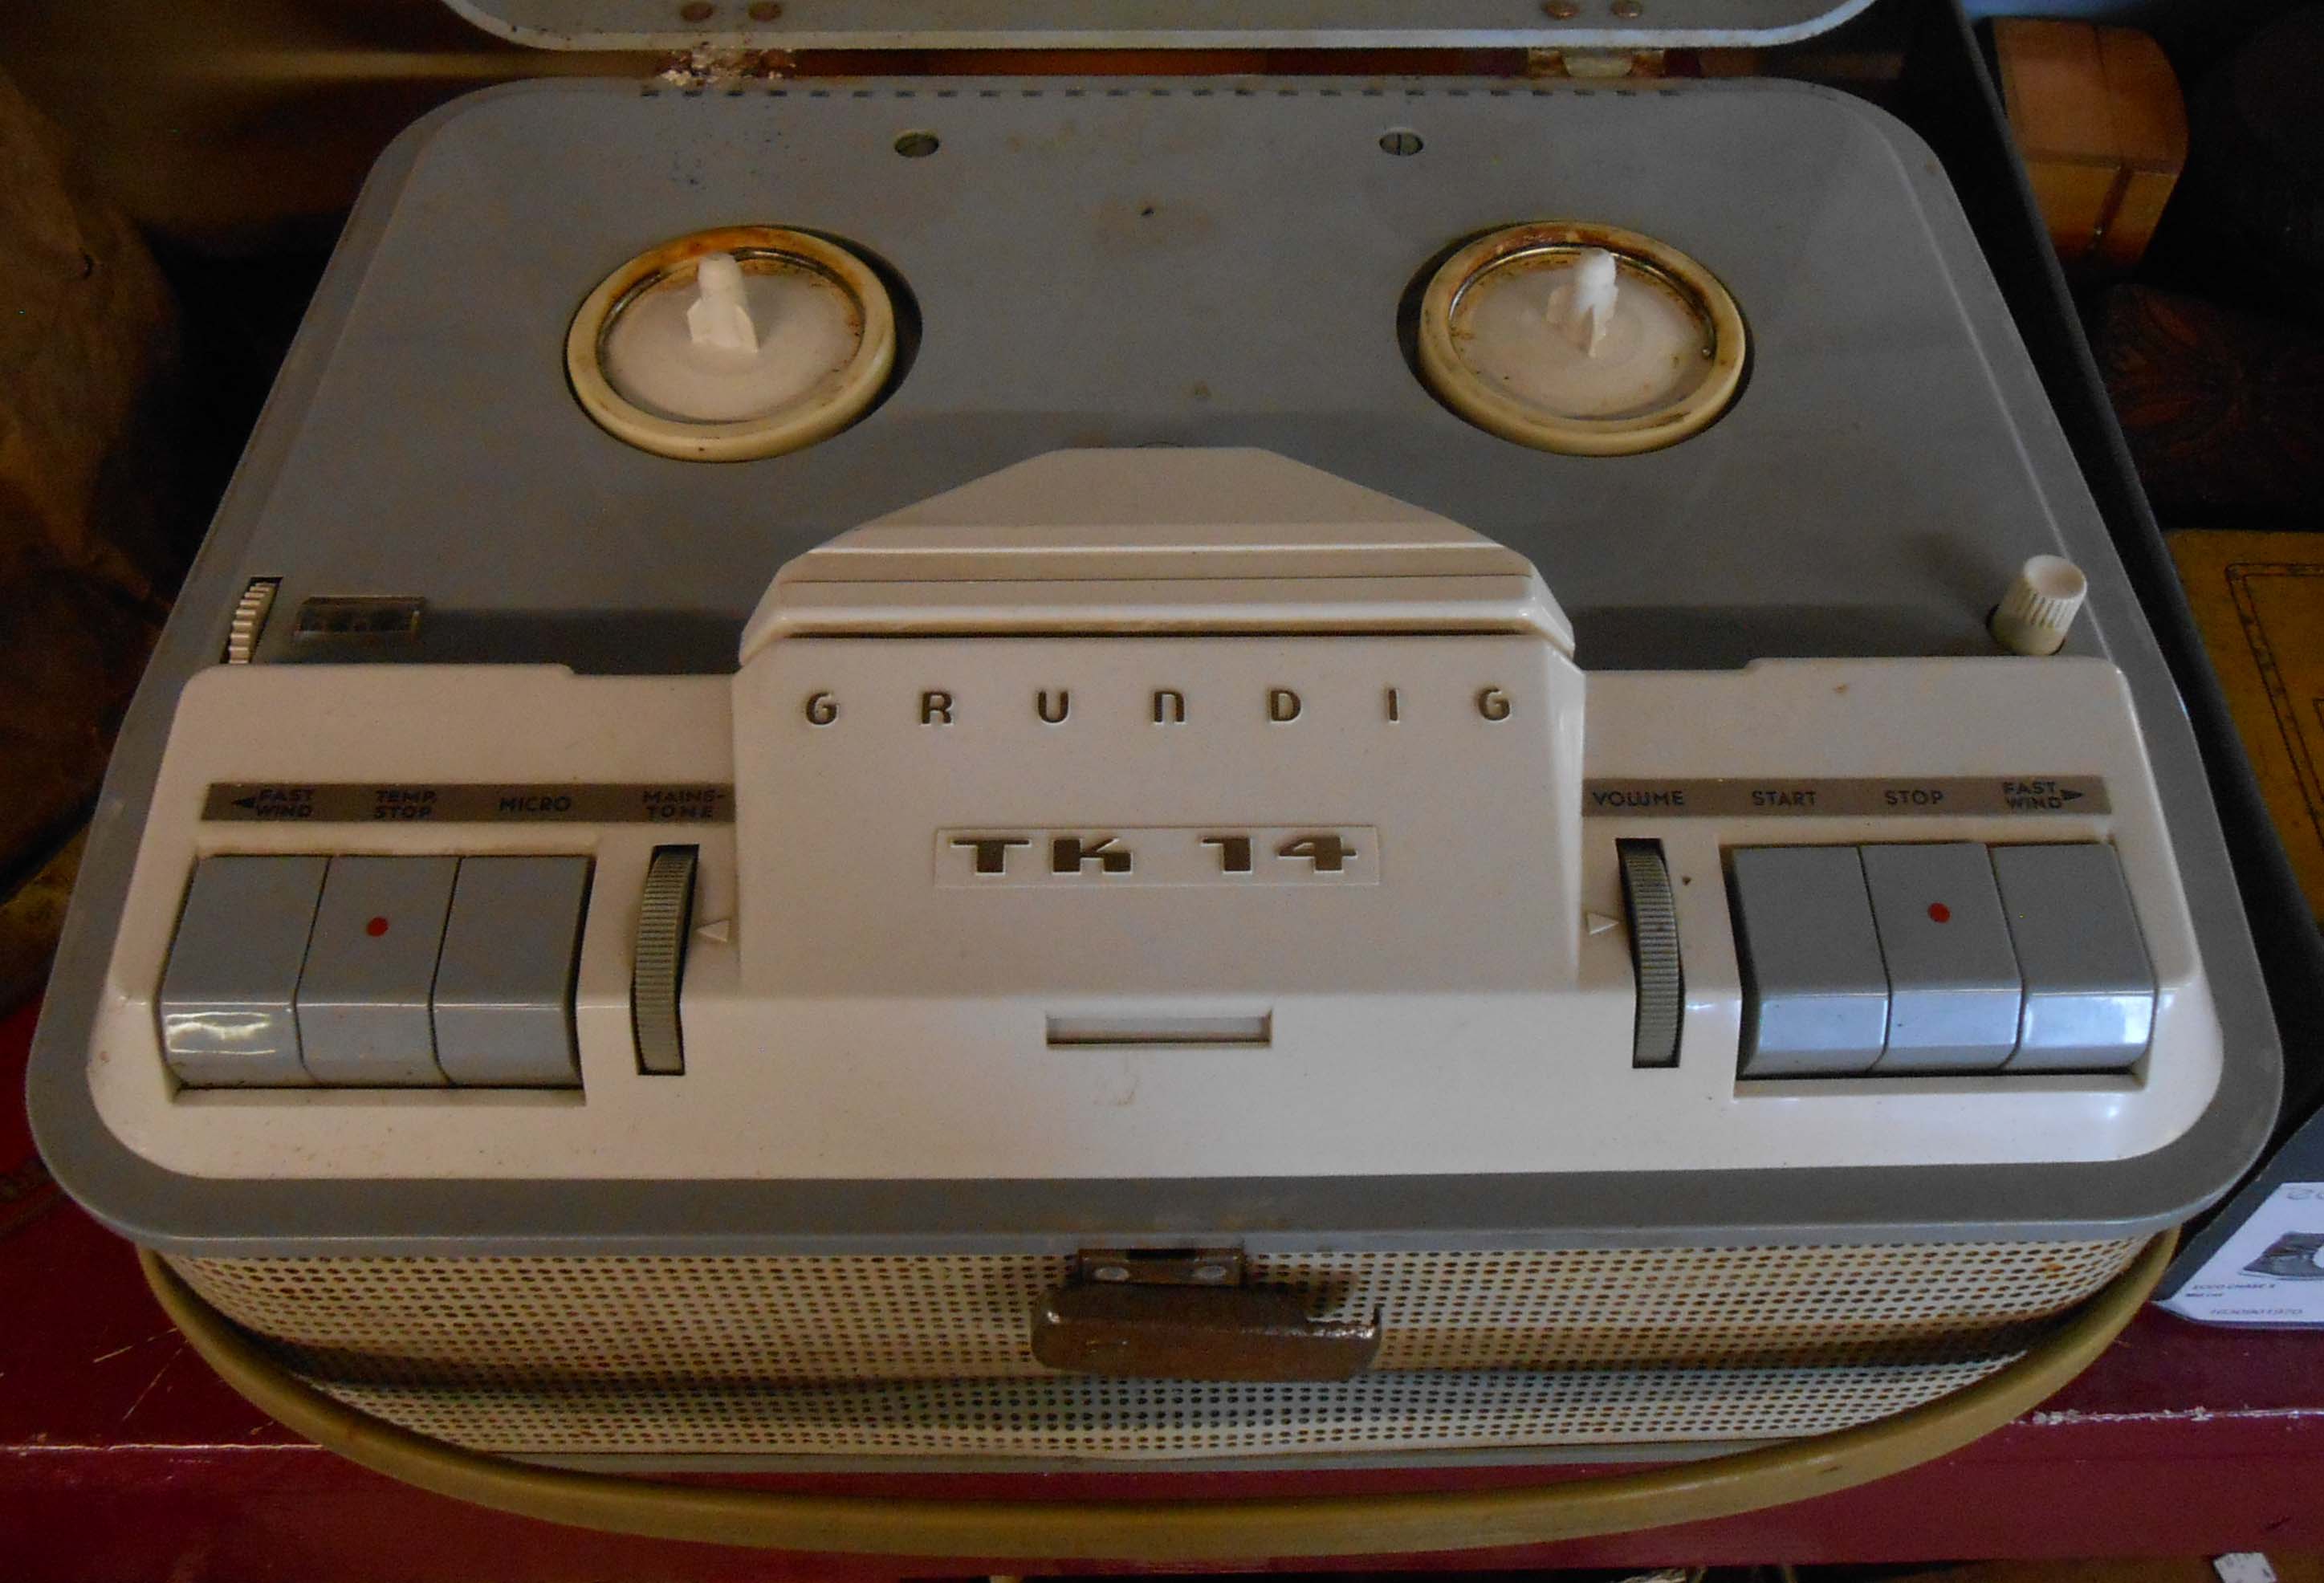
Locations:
{"points": [[939, 706], [1185, 855]]}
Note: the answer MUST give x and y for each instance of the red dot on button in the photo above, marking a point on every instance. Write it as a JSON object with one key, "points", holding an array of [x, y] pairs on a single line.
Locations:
{"points": [[377, 927], [1939, 913]]}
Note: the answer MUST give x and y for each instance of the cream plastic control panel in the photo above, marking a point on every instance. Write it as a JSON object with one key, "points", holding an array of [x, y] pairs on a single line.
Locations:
{"points": [[1153, 814]]}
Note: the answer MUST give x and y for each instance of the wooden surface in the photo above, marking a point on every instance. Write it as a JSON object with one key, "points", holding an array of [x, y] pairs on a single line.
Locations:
{"points": [[2098, 118], [87, 550], [2224, 410], [2288, 1569], [2149, 118], [2259, 598]]}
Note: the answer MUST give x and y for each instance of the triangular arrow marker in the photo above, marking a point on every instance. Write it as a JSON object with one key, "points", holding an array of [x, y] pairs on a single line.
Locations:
{"points": [[1598, 923]]}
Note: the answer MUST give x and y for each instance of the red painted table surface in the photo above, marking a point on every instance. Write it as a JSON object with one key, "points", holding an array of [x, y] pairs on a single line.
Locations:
{"points": [[122, 1457]]}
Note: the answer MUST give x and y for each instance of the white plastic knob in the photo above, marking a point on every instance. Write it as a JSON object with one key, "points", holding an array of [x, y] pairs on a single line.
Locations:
{"points": [[1583, 305], [720, 315], [2034, 616], [732, 346]]}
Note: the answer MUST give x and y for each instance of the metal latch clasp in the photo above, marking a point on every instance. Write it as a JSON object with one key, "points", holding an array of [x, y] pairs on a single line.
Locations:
{"points": [[1176, 1314]]}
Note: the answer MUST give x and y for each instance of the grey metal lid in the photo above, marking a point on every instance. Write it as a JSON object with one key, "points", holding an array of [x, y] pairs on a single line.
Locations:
{"points": [[1119, 24]]}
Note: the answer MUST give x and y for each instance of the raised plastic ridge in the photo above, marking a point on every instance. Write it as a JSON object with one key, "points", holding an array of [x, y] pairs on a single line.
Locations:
{"points": [[1136, 24], [1157, 541]]}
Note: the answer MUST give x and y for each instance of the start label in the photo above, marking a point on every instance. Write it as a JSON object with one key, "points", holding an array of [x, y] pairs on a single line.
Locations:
{"points": [[368, 803], [1846, 797]]}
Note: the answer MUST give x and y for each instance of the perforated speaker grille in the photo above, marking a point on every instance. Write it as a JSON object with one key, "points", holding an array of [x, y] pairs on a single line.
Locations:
{"points": [[928, 1356]]}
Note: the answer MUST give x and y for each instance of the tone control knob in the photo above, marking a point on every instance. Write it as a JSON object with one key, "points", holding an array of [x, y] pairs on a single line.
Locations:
{"points": [[2035, 614], [249, 621], [658, 967], [1652, 908]]}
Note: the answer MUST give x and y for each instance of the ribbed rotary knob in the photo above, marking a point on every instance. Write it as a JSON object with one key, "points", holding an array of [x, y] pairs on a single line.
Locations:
{"points": [[658, 967], [1653, 953], [2034, 616], [250, 620]]}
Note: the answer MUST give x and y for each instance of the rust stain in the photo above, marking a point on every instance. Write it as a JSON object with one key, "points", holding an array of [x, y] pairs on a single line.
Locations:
{"points": [[758, 249], [1148, 225], [726, 71]]}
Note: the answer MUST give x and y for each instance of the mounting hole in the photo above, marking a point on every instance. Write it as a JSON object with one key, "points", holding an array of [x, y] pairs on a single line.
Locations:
{"points": [[766, 11], [696, 11], [1401, 141], [917, 145]]}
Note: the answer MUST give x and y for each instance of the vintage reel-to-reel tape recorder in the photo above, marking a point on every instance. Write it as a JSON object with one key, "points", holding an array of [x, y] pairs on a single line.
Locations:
{"points": [[1098, 770]]}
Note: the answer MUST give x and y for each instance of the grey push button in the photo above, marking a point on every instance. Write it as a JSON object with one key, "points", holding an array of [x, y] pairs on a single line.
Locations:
{"points": [[2089, 987], [1815, 998], [227, 994], [1953, 989], [363, 999], [504, 982]]}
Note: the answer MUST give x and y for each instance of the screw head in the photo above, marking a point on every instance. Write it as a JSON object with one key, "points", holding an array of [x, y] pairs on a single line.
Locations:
{"points": [[1213, 1272], [1561, 10], [1110, 1272], [696, 11], [1627, 9], [765, 10]]}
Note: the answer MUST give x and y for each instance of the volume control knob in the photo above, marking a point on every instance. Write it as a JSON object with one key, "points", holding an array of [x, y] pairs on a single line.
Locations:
{"points": [[1652, 908], [658, 967], [250, 620]]}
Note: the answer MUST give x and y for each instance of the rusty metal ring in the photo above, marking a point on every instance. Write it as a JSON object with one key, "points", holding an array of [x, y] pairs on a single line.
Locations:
{"points": [[829, 406], [1467, 393]]}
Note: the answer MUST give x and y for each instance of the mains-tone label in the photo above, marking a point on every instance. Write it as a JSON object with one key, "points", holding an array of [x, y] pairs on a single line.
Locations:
{"points": [[423, 802], [1846, 798]]}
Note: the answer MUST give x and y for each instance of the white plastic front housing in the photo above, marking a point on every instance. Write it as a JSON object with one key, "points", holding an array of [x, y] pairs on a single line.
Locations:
{"points": [[1416, 963]]}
